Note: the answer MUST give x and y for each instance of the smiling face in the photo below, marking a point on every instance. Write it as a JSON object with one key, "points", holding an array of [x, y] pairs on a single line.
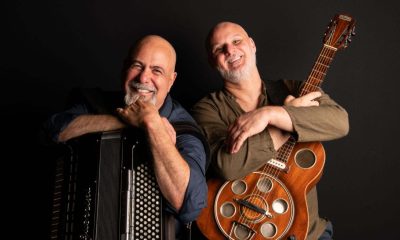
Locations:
{"points": [[151, 71], [232, 51]]}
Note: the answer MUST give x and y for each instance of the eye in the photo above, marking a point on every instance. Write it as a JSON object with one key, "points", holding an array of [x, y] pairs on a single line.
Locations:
{"points": [[237, 41], [218, 50], [137, 66], [157, 71]]}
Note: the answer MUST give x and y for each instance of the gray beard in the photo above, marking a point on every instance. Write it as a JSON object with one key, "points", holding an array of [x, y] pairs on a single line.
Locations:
{"points": [[132, 97], [237, 75]]}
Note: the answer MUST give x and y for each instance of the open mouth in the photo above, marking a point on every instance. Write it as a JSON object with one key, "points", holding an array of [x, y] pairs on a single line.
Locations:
{"points": [[145, 91], [235, 61]]}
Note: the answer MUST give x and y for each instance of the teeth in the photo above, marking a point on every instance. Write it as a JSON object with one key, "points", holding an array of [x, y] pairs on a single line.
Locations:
{"points": [[143, 91], [235, 59]]}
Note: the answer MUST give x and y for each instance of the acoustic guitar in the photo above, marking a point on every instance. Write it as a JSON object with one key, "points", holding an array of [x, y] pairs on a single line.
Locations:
{"points": [[271, 202]]}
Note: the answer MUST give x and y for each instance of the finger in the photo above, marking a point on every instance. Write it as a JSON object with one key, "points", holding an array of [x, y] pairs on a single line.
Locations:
{"points": [[239, 141], [134, 106], [141, 99], [288, 99], [312, 95], [314, 103]]}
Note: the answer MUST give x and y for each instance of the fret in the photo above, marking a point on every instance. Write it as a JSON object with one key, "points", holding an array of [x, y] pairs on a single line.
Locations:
{"points": [[322, 64], [315, 70], [319, 70]]}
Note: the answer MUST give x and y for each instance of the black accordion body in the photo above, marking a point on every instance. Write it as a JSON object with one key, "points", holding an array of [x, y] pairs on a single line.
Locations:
{"points": [[105, 189]]}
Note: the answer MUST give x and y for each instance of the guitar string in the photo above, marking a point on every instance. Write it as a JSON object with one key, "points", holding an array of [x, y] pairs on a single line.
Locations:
{"points": [[312, 84]]}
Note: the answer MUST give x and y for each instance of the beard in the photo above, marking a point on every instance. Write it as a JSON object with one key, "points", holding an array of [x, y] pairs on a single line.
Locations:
{"points": [[132, 96], [234, 76]]}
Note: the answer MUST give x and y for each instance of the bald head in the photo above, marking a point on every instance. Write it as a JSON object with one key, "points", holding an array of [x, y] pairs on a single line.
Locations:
{"points": [[155, 42], [222, 28]]}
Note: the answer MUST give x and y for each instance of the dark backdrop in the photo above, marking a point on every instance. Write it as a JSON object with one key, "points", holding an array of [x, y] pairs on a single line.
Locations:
{"points": [[49, 47]]}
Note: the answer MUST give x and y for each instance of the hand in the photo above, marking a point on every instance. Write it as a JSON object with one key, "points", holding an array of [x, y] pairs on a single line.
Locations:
{"points": [[245, 126], [303, 101], [138, 113]]}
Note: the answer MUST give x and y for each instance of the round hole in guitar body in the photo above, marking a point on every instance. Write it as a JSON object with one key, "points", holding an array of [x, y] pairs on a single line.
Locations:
{"points": [[228, 209], [239, 187], [305, 158]]}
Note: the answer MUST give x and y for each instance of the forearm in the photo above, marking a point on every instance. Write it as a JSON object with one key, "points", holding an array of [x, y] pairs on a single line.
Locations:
{"points": [[89, 123], [327, 121], [278, 117], [171, 170]]}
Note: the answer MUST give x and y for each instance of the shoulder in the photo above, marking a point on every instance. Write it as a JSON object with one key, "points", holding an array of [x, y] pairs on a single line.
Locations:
{"points": [[179, 114], [215, 99]]}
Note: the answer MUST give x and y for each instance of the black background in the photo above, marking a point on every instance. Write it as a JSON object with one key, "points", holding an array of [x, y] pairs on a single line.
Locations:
{"points": [[49, 47]]}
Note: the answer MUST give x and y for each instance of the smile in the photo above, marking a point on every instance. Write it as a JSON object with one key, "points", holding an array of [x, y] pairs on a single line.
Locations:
{"points": [[234, 59]]}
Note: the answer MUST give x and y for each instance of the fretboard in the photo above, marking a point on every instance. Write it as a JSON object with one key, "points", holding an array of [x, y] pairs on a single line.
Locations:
{"points": [[319, 70]]}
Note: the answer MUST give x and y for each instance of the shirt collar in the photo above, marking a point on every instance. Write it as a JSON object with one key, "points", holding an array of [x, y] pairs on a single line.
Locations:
{"points": [[166, 108], [263, 98]]}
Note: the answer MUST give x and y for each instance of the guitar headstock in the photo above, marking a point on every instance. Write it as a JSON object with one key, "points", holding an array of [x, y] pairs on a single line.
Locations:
{"points": [[339, 32]]}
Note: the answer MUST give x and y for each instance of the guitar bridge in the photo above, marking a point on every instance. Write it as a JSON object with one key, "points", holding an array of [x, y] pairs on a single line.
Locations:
{"points": [[278, 165], [241, 231]]}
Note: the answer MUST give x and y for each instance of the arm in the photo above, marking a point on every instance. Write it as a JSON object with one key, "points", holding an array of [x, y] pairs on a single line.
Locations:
{"points": [[88, 124], [77, 121], [325, 122], [273, 117], [171, 170], [215, 115]]}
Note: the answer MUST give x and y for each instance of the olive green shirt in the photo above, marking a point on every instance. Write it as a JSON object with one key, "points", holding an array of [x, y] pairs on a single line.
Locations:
{"points": [[215, 112]]}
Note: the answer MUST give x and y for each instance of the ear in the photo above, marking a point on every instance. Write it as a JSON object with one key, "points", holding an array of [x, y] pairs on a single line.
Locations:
{"points": [[172, 80], [253, 44]]}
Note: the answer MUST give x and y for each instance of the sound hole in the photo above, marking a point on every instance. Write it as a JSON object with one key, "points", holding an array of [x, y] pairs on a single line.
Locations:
{"points": [[264, 184], [268, 230], [305, 158], [228, 209], [280, 206], [239, 187], [241, 232]]}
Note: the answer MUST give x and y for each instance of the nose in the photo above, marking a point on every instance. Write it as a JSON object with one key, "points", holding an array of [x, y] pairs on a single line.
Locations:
{"points": [[144, 76], [229, 49]]}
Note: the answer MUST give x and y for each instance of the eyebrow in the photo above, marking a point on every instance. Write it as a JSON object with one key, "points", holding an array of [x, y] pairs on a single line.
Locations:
{"points": [[213, 46]]}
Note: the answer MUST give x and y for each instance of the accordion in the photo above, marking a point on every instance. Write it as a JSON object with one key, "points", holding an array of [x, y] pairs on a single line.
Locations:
{"points": [[105, 189]]}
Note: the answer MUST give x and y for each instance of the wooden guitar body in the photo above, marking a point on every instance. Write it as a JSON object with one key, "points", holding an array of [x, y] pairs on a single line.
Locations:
{"points": [[281, 193]]}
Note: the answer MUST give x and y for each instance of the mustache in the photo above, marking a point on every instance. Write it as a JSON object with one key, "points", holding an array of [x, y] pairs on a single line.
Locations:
{"points": [[140, 86]]}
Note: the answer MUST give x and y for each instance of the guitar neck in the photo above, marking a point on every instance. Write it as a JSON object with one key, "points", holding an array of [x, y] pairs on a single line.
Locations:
{"points": [[319, 70], [312, 84]]}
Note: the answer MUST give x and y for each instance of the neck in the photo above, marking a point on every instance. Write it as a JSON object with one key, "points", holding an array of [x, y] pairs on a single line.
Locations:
{"points": [[246, 91]]}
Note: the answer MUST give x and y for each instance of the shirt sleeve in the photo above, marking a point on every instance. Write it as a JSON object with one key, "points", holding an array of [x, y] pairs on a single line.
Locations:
{"points": [[59, 121], [214, 118], [192, 150], [325, 122]]}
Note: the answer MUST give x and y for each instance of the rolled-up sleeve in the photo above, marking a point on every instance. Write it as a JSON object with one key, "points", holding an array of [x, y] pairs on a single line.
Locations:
{"points": [[59, 121], [192, 150], [325, 122]]}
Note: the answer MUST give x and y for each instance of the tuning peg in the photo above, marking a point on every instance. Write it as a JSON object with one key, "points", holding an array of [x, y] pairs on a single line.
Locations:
{"points": [[353, 32]]}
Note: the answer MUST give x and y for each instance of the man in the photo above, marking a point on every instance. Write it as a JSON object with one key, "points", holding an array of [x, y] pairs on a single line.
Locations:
{"points": [[244, 130], [148, 74]]}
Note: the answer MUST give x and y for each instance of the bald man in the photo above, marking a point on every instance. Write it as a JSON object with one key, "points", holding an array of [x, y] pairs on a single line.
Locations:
{"points": [[179, 161], [245, 128]]}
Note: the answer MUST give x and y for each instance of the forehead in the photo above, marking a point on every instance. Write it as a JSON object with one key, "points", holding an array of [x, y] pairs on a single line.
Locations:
{"points": [[155, 54], [226, 31]]}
